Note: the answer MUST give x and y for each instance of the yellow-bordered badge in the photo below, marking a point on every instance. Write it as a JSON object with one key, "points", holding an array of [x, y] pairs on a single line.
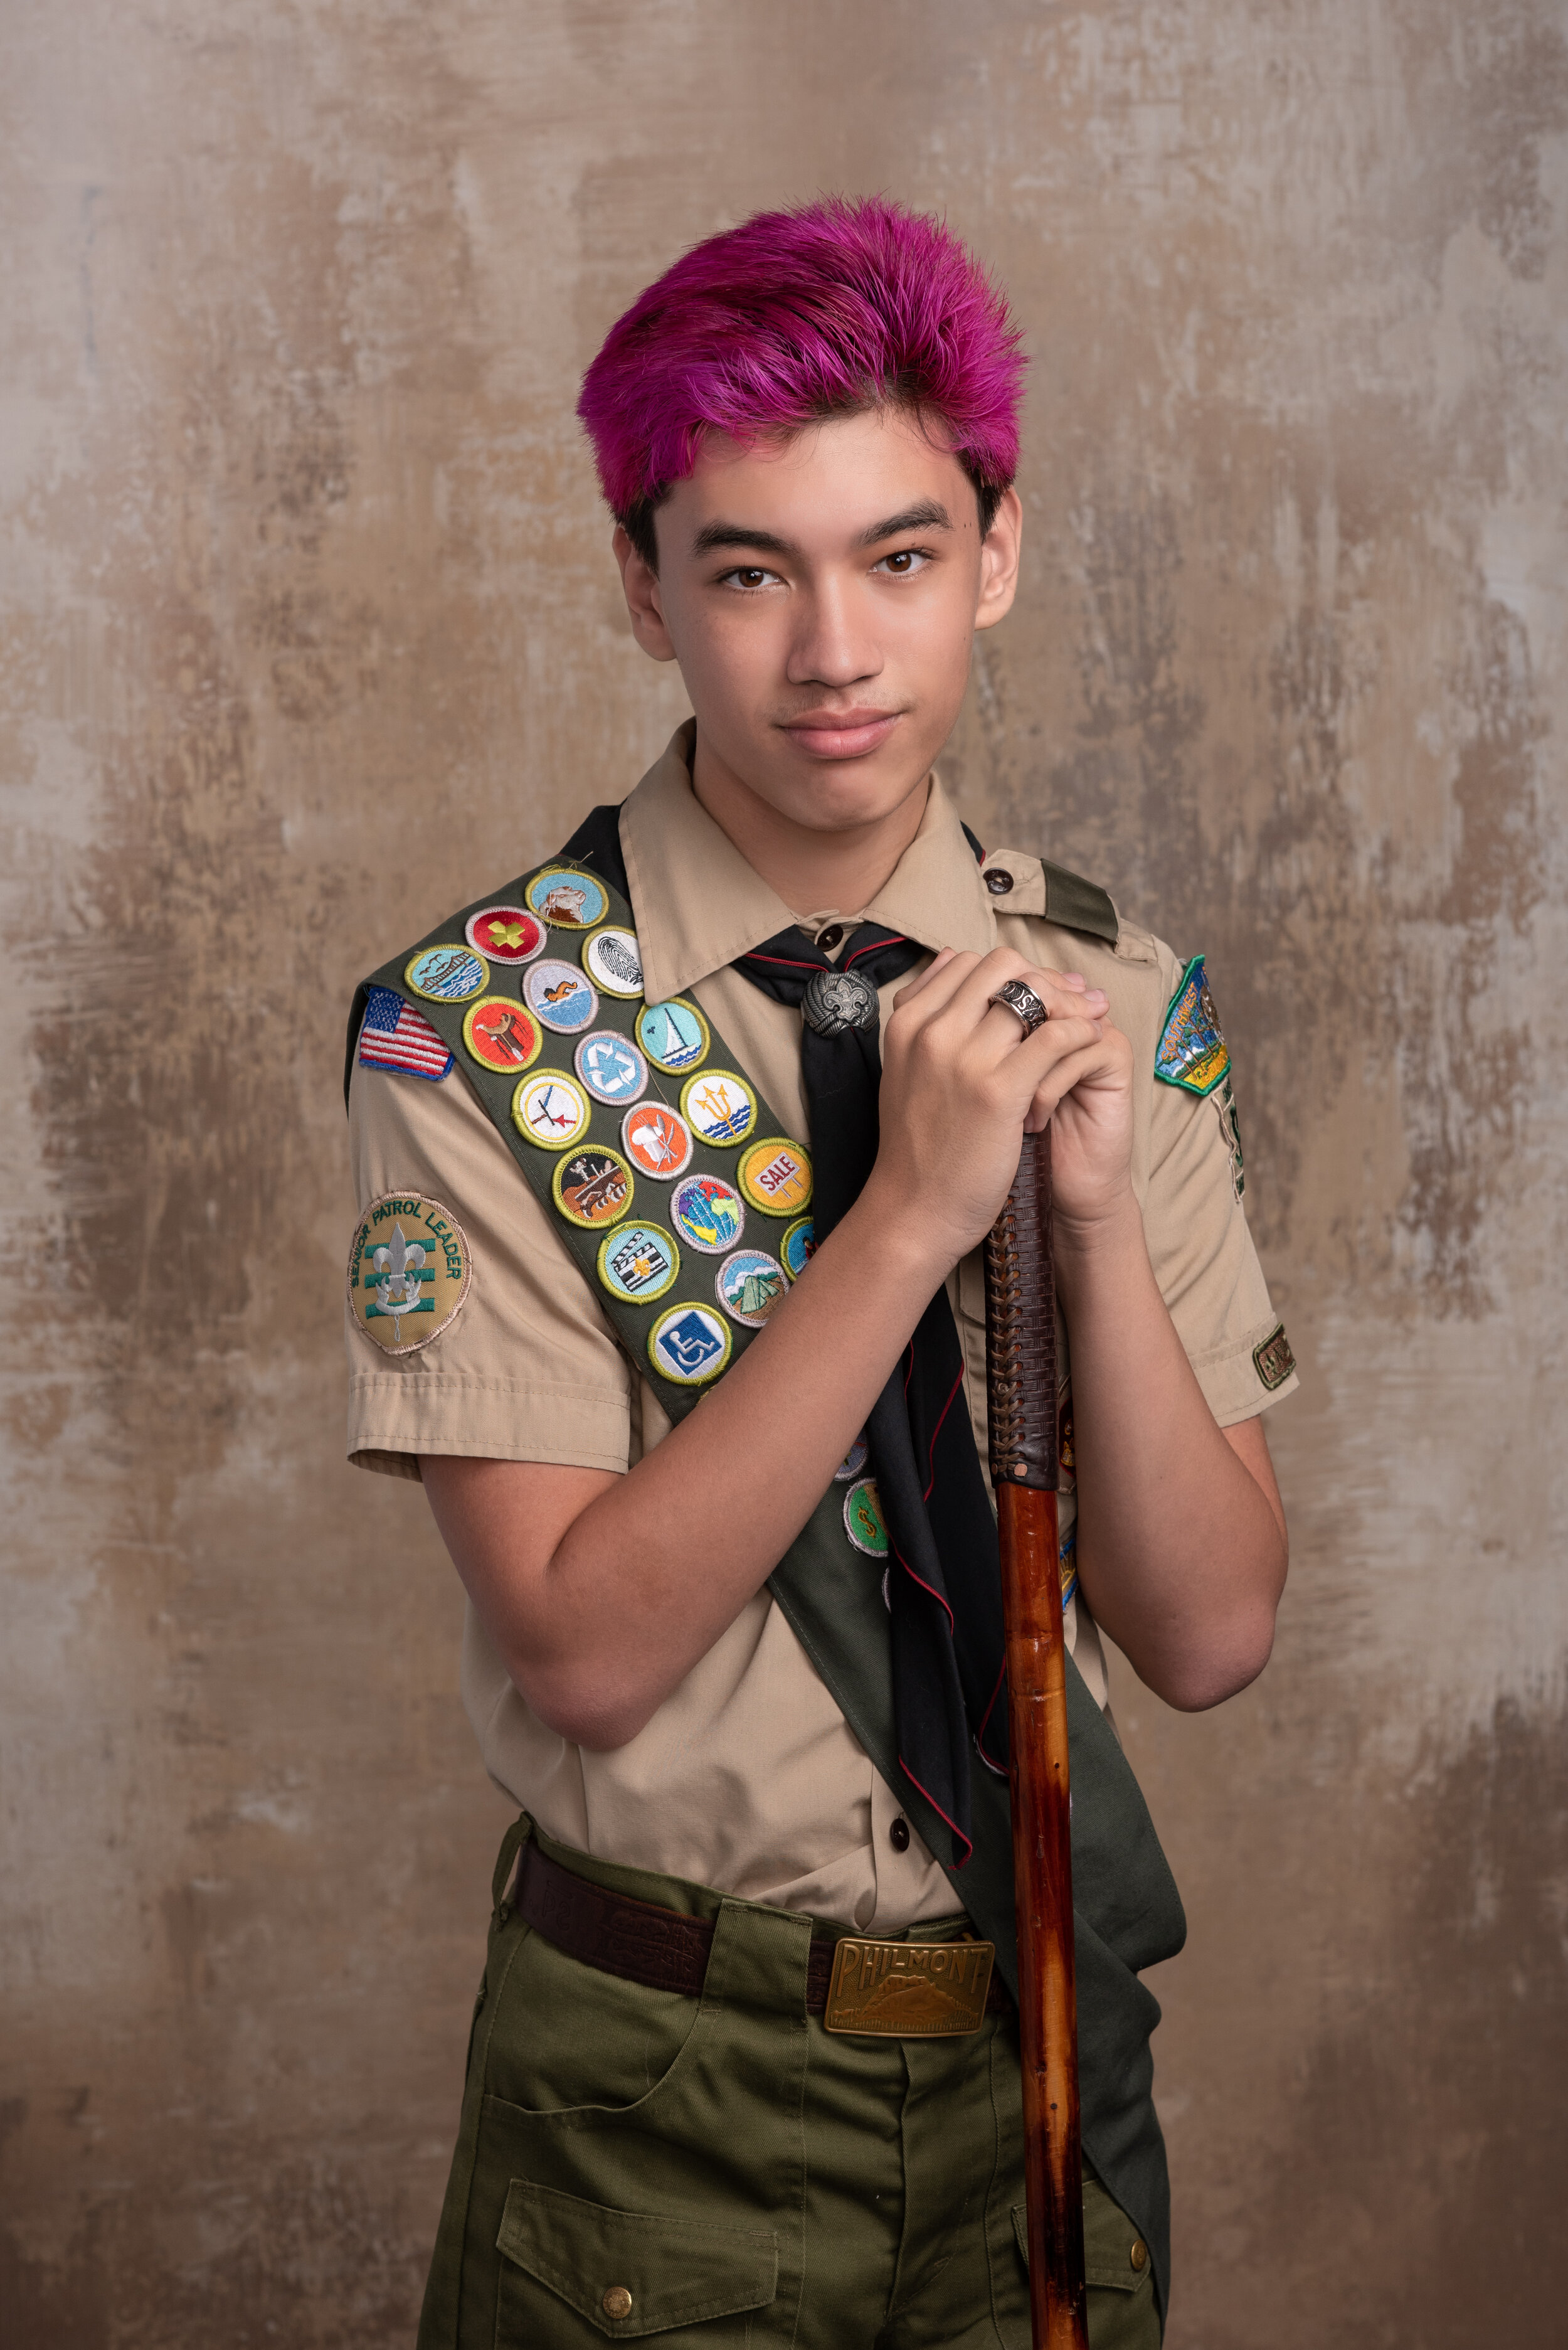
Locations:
{"points": [[798, 1246], [749, 1285], [613, 961], [863, 1519], [505, 933], [409, 1270], [638, 1263], [689, 1345], [447, 974], [592, 1187], [1191, 1052], [657, 1139], [775, 1176], [567, 897], [551, 1109], [719, 1107], [498, 1034], [674, 1035]]}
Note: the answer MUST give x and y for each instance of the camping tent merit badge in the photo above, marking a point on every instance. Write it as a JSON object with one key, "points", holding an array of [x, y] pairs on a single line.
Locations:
{"points": [[408, 1272]]}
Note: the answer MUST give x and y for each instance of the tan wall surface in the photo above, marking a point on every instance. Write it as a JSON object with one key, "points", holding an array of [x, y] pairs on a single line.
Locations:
{"points": [[310, 630]]}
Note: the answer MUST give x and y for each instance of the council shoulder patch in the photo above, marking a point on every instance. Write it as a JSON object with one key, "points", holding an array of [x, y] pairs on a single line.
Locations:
{"points": [[409, 1271], [1273, 1360], [1191, 1052]]}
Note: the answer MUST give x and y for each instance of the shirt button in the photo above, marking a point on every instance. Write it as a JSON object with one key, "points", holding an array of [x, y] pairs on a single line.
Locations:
{"points": [[616, 2301], [898, 1835], [829, 939], [1138, 2255], [999, 880]]}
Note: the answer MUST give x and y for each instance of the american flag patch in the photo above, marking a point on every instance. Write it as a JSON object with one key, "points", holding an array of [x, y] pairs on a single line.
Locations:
{"points": [[395, 1036]]}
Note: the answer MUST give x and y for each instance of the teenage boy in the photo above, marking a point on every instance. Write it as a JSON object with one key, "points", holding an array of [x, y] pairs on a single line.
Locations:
{"points": [[741, 1663]]}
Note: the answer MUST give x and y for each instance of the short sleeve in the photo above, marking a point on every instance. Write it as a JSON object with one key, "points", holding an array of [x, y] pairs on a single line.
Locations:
{"points": [[1201, 1249], [529, 1368]]}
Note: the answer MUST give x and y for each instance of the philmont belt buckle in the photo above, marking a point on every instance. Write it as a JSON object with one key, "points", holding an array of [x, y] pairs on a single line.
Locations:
{"points": [[908, 1991]]}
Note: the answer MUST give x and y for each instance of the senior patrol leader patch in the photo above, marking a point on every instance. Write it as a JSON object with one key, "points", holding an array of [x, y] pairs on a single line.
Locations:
{"points": [[1191, 1052], [551, 1109], [409, 1270], [499, 1034], [674, 1035], [689, 1345], [566, 899]]}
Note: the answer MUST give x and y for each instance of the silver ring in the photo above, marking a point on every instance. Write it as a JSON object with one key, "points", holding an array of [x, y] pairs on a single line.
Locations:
{"points": [[1024, 1002]]}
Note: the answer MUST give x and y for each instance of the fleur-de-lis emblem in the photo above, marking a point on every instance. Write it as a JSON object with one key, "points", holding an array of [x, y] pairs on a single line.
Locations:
{"points": [[397, 1287]]}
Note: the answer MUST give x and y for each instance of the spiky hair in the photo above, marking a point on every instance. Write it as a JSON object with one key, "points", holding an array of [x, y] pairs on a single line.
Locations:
{"points": [[825, 310]]}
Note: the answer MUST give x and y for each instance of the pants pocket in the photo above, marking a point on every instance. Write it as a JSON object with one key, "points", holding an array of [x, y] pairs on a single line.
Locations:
{"points": [[575, 2273]]}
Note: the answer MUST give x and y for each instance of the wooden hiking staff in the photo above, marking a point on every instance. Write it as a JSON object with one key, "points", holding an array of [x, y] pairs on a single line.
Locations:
{"points": [[1021, 1381]]}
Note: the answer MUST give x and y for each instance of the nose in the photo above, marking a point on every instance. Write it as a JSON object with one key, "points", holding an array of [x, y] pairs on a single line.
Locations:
{"points": [[834, 644]]}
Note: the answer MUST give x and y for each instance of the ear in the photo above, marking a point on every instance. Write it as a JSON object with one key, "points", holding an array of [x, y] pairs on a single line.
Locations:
{"points": [[641, 582], [999, 557]]}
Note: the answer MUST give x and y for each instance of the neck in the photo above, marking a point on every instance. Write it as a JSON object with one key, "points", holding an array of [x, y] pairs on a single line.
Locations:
{"points": [[811, 871]]}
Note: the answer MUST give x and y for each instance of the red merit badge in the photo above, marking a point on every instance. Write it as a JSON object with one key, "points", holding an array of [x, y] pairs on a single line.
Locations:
{"points": [[506, 933], [500, 1034]]}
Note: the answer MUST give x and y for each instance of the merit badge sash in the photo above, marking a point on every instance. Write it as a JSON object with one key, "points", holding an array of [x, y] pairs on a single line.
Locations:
{"points": [[687, 1208]]}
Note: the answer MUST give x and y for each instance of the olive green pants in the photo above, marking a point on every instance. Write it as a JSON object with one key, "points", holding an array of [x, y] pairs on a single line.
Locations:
{"points": [[721, 2172]]}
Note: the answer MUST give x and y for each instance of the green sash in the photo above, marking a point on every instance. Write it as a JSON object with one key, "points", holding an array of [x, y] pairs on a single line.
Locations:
{"points": [[1126, 1911]]}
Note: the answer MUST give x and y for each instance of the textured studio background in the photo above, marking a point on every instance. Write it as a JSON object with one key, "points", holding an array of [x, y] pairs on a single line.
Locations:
{"points": [[310, 629]]}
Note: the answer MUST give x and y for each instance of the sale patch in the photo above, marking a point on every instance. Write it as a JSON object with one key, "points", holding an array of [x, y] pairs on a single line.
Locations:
{"points": [[409, 1271], [775, 1177]]}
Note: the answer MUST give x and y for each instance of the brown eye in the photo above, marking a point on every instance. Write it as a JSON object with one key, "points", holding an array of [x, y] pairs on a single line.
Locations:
{"points": [[900, 562], [750, 577]]}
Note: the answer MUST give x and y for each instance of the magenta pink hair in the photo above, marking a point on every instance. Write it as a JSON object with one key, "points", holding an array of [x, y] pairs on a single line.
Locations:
{"points": [[825, 310]]}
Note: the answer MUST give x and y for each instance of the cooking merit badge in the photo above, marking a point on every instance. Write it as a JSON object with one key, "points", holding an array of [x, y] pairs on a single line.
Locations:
{"points": [[657, 1139], [612, 1070], [407, 1271], [863, 1521], [447, 974], [505, 933], [500, 1034], [718, 1105], [551, 1109], [611, 960], [592, 1188], [775, 1177], [674, 1035], [707, 1212], [558, 994], [749, 1285], [689, 1345], [638, 1263], [565, 898]]}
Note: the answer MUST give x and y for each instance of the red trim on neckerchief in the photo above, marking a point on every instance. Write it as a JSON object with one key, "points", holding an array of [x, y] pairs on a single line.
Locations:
{"points": [[781, 962], [967, 1842], [919, 1579], [1000, 1768], [876, 947], [936, 1431]]}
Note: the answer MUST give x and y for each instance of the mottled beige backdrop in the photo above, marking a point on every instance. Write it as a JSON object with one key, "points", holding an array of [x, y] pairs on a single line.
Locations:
{"points": [[310, 632]]}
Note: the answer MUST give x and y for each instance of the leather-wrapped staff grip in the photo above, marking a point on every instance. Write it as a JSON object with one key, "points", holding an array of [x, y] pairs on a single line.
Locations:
{"points": [[1021, 1327]]}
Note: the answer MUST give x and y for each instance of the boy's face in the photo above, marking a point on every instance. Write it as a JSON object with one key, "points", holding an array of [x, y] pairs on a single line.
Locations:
{"points": [[821, 594]]}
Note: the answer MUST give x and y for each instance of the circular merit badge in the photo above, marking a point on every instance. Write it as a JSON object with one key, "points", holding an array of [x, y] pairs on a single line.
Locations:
{"points": [[657, 1139], [775, 1177], [566, 899], [719, 1107], [674, 1035], [408, 1272], [863, 1520], [505, 933], [613, 1070], [638, 1263], [612, 961], [853, 1462], [592, 1187], [749, 1285], [500, 1034], [798, 1246], [447, 974], [558, 994], [551, 1109], [689, 1345], [706, 1212]]}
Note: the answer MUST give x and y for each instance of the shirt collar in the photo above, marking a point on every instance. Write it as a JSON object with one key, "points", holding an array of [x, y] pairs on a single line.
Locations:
{"points": [[699, 905]]}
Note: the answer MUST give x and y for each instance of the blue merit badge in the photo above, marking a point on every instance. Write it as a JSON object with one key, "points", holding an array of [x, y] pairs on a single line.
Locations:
{"points": [[1191, 1052], [689, 1345], [612, 1070], [566, 899], [447, 974], [674, 1035]]}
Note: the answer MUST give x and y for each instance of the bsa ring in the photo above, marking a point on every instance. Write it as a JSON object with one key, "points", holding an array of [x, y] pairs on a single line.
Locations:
{"points": [[1024, 1002]]}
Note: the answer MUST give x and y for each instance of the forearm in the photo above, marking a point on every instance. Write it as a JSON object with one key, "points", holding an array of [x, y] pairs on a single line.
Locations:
{"points": [[1181, 1556]]}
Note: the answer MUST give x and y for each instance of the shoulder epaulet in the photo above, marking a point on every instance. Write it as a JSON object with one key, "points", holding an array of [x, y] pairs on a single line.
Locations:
{"points": [[1074, 904]]}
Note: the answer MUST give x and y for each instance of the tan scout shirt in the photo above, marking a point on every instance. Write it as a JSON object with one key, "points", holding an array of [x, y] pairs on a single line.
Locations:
{"points": [[748, 1778]]}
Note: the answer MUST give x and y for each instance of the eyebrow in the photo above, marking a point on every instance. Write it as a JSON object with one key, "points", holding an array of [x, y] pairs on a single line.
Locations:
{"points": [[929, 514]]}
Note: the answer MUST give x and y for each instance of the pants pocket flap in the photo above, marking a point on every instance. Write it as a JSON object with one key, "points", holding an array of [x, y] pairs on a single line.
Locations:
{"points": [[1108, 2249], [632, 2273]]}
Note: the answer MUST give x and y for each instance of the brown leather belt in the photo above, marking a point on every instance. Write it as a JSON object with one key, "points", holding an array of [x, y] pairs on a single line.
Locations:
{"points": [[661, 1949]]}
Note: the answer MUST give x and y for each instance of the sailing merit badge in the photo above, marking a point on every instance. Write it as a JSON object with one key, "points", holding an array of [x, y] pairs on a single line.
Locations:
{"points": [[674, 1035], [407, 1271]]}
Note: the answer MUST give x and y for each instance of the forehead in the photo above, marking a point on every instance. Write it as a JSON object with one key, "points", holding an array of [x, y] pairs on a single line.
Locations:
{"points": [[825, 484]]}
